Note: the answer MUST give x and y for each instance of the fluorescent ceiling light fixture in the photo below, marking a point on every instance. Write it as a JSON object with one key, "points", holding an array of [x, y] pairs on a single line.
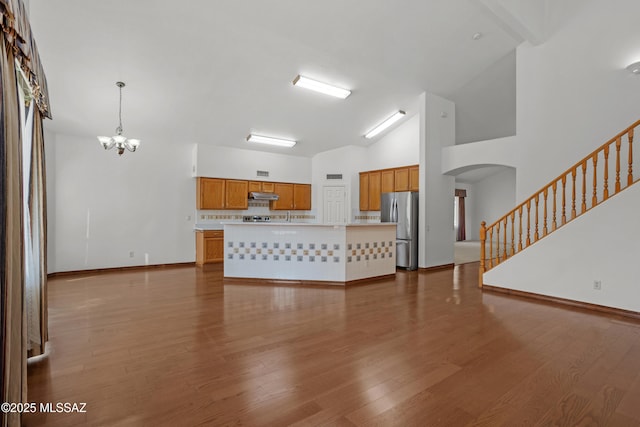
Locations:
{"points": [[270, 141], [382, 126], [634, 68], [325, 88]]}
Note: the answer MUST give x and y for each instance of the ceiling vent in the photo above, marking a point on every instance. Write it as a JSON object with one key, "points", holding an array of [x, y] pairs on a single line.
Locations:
{"points": [[262, 173], [334, 176]]}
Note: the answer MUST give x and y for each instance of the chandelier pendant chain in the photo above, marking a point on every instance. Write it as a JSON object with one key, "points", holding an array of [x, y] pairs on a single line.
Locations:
{"points": [[119, 129]]}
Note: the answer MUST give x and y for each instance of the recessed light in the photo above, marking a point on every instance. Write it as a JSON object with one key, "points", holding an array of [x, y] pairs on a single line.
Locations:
{"points": [[385, 124], [258, 139], [321, 87], [634, 68], [477, 36]]}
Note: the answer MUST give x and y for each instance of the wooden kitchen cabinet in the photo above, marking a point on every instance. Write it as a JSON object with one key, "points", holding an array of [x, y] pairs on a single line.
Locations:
{"points": [[269, 187], [261, 186], [370, 191], [285, 197], [236, 193], [209, 246], [387, 181], [210, 193], [219, 193], [375, 182], [401, 179], [255, 186], [364, 191], [302, 197], [414, 178]]}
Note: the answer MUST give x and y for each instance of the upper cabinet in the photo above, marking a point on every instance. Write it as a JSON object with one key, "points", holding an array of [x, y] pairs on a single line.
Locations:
{"points": [[387, 181], [261, 186], [375, 180], [255, 186], [364, 191], [285, 197], [401, 178], [302, 197], [219, 193], [269, 187], [210, 193], [414, 178], [236, 194], [374, 183], [292, 197]]}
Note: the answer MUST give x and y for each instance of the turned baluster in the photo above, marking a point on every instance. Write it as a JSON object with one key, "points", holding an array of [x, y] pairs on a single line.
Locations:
{"points": [[520, 229], [528, 222], [564, 199], [573, 194], [605, 192], [618, 144], [505, 239], [630, 175], [554, 224], [594, 199], [513, 235], [584, 186], [491, 247], [498, 243], [483, 241], [544, 226], [536, 236]]}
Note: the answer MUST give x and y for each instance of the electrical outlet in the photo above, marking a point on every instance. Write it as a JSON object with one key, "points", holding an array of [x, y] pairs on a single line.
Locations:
{"points": [[597, 285], [131, 254]]}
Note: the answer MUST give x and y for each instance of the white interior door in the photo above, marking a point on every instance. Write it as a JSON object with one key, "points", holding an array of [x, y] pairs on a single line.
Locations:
{"points": [[334, 201]]}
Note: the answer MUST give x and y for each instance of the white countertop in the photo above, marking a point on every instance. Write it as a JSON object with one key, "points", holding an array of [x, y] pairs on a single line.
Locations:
{"points": [[308, 224], [220, 226], [206, 227]]}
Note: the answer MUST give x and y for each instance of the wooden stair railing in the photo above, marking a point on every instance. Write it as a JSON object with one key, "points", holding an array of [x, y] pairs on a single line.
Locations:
{"points": [[524, 221]]}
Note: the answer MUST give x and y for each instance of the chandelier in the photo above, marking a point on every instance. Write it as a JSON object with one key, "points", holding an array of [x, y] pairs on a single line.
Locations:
{"points": [[119, 141]]}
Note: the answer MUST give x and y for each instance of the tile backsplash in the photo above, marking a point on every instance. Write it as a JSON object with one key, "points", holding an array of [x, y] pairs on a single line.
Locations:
{"points": [[256, 207]]}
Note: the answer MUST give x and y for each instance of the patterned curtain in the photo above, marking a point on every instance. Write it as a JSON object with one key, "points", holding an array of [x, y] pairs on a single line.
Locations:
{"points": [[37, 209], [14, 331], [17, 46]]}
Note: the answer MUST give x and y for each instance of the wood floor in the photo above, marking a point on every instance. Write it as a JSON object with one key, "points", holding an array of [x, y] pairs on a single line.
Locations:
{"points": [[179, 347]]}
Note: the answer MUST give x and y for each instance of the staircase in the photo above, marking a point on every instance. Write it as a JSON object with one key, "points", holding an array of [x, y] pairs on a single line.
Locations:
{"points": [[573, 193]]}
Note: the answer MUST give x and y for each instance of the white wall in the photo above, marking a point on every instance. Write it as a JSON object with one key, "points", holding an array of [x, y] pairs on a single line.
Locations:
{"points": [[436, 233], [225, 162], [601, 245], [495, 196], [573, 93], [501, 151], [486, 106], [101, 206], [400, 147], [348, 161]]}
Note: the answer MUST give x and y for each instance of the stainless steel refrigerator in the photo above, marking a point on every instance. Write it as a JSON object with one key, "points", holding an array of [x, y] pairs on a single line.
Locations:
{"points": [[402, 208]]}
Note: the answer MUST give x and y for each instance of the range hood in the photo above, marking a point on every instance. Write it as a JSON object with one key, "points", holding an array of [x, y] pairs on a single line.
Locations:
{"points": [[257, 195]]}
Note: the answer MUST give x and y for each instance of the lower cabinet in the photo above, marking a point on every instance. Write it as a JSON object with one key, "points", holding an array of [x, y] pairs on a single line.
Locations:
{"points": [[209, 246]]}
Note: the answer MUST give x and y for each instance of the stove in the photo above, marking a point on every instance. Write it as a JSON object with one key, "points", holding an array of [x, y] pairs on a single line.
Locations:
{"points": [[256, 218]]}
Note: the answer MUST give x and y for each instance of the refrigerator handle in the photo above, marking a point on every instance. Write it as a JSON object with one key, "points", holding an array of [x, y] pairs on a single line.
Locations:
{"points": [[394, 211]]}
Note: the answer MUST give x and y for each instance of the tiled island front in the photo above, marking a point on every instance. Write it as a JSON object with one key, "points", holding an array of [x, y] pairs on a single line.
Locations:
{"points": [[309, 252]]}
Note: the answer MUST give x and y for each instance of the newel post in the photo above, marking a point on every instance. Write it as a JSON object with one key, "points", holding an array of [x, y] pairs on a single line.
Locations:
{"points": [[483, 237]]}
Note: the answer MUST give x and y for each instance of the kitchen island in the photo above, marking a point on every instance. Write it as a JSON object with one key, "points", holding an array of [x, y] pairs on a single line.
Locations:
{"points": [[335, 254]]}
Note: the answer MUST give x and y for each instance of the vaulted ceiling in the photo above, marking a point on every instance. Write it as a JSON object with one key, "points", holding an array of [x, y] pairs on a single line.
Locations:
{"points": [[211, 72]]}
